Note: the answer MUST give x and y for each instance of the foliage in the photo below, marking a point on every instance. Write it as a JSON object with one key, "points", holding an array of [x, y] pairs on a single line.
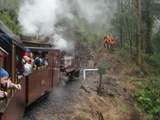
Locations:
{"points": [[10, 19], [154, 60], [11, 5], [88, 36], [8, 14], [156, 41], [154, 63], [101, 70], [134, 27], [102, 67], [149, 98]]}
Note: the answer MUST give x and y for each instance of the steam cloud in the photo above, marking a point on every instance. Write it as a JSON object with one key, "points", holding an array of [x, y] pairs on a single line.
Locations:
{"points": [[39, 17], [62, 44], [97, 11]]}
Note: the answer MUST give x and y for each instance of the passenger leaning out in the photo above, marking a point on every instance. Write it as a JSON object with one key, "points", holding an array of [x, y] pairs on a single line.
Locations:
{"points": [[5, 83], [27, 62]]}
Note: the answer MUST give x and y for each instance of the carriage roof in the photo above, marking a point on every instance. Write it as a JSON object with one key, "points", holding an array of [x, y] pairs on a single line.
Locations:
{"points": [[7, 34]]}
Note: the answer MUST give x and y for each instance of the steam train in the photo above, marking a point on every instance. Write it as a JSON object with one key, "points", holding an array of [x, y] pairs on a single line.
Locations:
{"points": [[40, 82]]}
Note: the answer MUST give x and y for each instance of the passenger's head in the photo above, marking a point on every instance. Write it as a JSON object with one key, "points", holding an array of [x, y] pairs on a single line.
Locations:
{"points": [[4, 75], [38, 61], [27, 52], [26, 58], [31, 55]]}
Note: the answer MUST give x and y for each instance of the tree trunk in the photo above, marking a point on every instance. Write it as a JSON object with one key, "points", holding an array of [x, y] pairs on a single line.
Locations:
{"points": [[130, 43], [148, 22], [139, 31], [120, 4], [121, 37], [100, 84]]}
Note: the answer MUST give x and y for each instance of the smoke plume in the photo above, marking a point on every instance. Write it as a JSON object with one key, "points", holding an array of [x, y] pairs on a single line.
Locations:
{"points": [[62, 44], [40, 17], [97, 11]]}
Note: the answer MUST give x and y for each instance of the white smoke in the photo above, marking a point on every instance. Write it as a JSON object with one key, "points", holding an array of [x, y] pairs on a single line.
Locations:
{"points": [[62, 44], [39, 17], [96, 11]]}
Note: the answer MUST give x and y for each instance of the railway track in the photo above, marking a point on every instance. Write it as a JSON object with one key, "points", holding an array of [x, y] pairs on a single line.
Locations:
{"points": [[57, 105]]}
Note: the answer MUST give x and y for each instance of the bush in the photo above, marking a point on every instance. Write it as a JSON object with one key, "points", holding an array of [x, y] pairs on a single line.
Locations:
{"points": [[102, 67], [149, 98], [154, 60]]}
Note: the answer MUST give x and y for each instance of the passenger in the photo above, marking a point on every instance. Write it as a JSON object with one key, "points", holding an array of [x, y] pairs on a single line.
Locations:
{"points": [[45, 60], [5, 83], [27, 52], [28, 55], [38, 60], [27, 61], [28, 65]]}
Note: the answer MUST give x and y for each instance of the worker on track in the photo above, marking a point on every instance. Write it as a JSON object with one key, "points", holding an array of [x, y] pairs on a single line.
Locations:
{"points": [[109, 41]]}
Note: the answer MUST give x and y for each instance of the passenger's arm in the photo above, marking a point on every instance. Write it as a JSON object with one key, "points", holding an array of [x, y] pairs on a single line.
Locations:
{"points": [[13, 85], [3, 94]]}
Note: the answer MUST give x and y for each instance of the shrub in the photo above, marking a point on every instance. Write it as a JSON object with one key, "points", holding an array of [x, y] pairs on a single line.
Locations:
{"points": [[102, 67], [154, 59], [149, 98]]}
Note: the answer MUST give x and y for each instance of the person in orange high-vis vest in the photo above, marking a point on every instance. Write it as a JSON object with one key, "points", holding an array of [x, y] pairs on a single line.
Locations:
{"points": [[109, 41]]}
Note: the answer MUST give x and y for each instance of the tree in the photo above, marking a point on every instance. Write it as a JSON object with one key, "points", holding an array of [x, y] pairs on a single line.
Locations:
{"points": [[139, 41], [8, 14], [148, 21], [101, 70]]}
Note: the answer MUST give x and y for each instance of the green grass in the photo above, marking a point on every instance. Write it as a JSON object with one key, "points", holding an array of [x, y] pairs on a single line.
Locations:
{"points": [[148, 96]]}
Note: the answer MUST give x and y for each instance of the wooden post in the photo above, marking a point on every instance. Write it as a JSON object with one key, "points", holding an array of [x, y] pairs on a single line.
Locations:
{"points": [[13, 63]]}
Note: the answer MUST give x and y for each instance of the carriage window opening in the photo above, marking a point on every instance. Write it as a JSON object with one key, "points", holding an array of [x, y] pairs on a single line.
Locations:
{"points": [[3, 55], [1, 62], [6, 83], [27, 61], [19, 66], [40, 60]]}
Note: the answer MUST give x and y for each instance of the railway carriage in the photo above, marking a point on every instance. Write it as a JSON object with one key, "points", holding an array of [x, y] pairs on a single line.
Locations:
{"points": [[13, 107], [40, 81], [35, 85], [43, 78]]}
